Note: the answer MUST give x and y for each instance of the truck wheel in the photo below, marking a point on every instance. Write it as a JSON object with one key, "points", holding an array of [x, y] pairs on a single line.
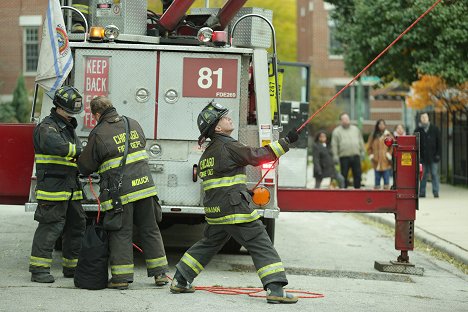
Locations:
{"points": [[270, 228], [231, 247]]}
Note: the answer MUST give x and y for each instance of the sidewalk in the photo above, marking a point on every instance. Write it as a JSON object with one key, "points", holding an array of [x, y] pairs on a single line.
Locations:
{"points": [[440, 222]]}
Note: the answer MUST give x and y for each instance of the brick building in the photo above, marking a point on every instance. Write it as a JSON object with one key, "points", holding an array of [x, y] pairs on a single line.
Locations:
{"points": [[316, 46], [20, 30]]}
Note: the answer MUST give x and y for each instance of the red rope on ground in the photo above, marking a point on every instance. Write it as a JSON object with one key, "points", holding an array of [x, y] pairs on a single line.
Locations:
{"points": [[251, 291], [356, 77], [254, 292]]}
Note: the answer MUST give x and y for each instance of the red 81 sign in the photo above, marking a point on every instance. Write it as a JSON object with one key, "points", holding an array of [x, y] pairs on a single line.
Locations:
{"points": [[210, 78]]}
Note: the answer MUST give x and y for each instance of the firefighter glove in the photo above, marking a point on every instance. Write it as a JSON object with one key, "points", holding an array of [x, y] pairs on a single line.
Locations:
{"points": [[292, 136]]}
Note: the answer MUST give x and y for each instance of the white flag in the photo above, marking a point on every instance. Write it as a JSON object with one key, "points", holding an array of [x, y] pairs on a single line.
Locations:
{"points": [[55, 57]]}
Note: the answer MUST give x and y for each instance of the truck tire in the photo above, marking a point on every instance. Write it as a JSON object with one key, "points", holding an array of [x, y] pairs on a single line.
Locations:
{"points": [[270, 228]]}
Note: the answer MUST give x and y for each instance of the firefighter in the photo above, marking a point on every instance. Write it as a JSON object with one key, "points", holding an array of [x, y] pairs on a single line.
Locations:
{"points": [[58, 192], [102, 154], [78, 25], [226, 201]]}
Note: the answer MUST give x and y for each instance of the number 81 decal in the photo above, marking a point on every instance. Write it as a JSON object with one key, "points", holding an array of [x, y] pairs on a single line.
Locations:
{"points": [[205, 81], [210, 77]]}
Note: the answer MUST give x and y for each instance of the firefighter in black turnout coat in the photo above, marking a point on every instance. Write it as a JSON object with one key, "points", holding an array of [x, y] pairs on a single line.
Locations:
{"points": [[103, 154], [58, 192], [226, 201]]}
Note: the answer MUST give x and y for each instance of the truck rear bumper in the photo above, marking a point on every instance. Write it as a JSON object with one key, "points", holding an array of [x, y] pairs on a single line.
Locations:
{"points": [[265, 213]]}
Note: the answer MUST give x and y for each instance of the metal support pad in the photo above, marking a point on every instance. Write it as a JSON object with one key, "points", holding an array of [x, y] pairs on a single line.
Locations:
{"points": [[398, 267]]}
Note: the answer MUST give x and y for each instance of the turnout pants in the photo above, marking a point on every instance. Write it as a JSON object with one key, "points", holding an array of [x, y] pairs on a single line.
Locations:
{"points": [[142, 214], [252, 236], [57, 218]]}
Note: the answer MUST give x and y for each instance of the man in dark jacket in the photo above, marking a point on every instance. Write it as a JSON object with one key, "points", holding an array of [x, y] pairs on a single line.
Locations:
{"points": [[103, 154], [58, 192], [429, 152], [226, 201]]}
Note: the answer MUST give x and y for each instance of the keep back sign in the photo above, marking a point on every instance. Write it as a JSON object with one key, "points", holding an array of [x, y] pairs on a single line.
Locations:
{"points": [[210, 78], [96, 83]]}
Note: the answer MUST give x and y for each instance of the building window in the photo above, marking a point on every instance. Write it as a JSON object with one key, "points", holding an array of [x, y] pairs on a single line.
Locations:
{"points": [[348, 102], [334, 46], [30, 49]]}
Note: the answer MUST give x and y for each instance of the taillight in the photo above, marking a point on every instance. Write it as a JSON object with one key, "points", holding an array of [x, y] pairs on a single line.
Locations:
{"points": [[269, 165]]}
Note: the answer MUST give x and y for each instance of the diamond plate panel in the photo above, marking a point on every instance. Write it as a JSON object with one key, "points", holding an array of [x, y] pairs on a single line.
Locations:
{"points": [[128, 15], [251, 32], [178, 120], [129, 71]]}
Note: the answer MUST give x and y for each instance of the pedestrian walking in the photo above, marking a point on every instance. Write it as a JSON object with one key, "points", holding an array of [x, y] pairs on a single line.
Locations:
{"points": [[348, 149], [380, 154], [324, 166], [222, 168], [59, 211], [429, 153], [133, 186]]}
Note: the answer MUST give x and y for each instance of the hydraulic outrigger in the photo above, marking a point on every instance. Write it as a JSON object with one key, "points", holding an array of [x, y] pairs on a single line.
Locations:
{"points": [[401, 200]]}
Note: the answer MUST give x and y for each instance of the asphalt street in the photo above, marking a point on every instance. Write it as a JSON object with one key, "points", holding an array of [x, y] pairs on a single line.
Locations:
{"points": [[330, 254]]}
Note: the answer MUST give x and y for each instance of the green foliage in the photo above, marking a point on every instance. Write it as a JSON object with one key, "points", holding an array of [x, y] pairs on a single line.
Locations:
{"points": [[7, 113], [284, 21], [435, 46], [20, 104], [327, 119]]}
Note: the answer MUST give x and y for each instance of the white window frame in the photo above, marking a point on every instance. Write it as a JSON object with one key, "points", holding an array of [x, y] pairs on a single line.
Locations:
{"points": [[28, 22], [330, 25]]}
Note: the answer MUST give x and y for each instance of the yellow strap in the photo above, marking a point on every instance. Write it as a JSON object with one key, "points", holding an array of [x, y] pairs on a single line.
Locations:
{"points": [[122, 269], [53, 159], [270, 269], [224, 181], [234, 218], [192, 263], [115, 162], [277, 148], [157, 262], [131, 197]]}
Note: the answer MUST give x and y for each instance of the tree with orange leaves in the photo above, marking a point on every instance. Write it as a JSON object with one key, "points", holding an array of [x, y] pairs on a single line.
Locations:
{"points": [[433, 90]]}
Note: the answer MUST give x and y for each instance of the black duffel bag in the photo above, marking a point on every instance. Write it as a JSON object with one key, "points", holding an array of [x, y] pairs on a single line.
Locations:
{"points": [[91, 271]]}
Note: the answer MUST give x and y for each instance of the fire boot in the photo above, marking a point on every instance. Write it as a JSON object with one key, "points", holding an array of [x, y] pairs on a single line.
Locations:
{"points": [[276, 294], [161, 280], [122, 285], [180, 285], [42, 277], [69, 273]]}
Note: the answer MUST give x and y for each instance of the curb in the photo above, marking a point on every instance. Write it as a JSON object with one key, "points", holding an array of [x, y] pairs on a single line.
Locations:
{"points": [[432, 240]]}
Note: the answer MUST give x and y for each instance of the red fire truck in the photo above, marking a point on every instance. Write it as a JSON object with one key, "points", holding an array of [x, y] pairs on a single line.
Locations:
{"points": [[162, 70]]}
